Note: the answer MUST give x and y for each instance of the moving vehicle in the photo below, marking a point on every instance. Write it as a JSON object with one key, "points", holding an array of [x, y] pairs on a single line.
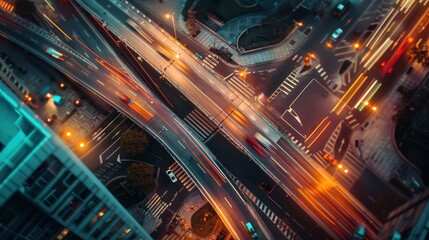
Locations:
{"points": [[330, 158], [261, 139], [171, 175], [337, 33], [256, 145], [251, 230], [125, 99], [342, 8], [54, 53], [359, 232], [387, 66]]}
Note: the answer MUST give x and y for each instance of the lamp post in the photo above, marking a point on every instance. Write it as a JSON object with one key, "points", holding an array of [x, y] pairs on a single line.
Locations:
{"points": [[174, 24]]}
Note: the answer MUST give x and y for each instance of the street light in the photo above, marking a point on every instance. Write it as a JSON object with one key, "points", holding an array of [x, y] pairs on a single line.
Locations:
{"points": [[174, 24]]}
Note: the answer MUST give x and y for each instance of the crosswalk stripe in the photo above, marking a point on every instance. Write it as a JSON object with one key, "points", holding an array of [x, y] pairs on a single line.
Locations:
{"points": [[323, 74], [151, 199], [196, 126], [237, 87], [208, 122], [153, 203], [199, 123], [246, 86], [199, 135]]}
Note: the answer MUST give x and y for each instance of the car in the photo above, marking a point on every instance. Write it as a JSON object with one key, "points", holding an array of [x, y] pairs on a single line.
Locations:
{"points": [[252, 231], [125, 99], [330, 158], [266, 187], [256, 145], [171, 175], [359, 232], [356, 33], [262, 140], [337, 33], [54, 53], [320, 16], [341, 8]]}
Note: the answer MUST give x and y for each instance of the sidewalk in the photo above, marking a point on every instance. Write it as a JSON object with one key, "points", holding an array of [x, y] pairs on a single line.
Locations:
{"points": [[377, 147]]}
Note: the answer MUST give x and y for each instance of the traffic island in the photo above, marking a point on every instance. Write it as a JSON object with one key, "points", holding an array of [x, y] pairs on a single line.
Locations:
{"points": [[204, 220]]}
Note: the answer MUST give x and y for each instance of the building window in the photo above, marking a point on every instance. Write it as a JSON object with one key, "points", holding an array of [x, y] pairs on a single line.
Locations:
{"points": [[95, 218], [69, 180], [44, 174]]}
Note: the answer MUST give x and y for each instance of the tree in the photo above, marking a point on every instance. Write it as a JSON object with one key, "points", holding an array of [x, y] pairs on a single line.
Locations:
{"points": [[191, 23], [25, 9], [421, 54], [140, 175], [134, 141]]}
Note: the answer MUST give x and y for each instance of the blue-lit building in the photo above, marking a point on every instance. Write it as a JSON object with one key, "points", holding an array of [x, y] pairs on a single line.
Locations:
{"points": [[46, 192], [408, 221]]}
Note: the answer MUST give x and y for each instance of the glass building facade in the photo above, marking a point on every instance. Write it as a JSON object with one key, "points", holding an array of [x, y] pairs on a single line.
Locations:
{"points": [[46, 192]]}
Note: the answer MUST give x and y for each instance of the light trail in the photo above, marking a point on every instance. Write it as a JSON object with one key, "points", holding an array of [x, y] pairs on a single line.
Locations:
{"points": [[365, 94], [370, 96], [377, 54], [320, 133], [345, 95], [351, 96], [311, 134], [57, 27]]}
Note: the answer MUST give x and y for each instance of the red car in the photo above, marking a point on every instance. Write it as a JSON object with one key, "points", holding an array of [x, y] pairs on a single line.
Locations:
{"points": [[126, 100], [256, 145]]}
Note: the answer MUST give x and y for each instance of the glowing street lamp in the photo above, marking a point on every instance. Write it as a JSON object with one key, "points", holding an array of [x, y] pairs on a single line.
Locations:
{"points": [[356, 45], [174, 24]]}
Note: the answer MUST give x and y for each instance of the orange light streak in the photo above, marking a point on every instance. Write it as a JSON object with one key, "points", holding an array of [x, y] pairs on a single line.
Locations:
{"points": [[316, 207], [317, 137], [342, 98], [57, 27], [354, 92], [315, 129]]}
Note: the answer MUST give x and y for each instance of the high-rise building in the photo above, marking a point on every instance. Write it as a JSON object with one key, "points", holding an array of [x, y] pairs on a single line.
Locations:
{"points": [[8, 77], [46, 192], [408, 221]]}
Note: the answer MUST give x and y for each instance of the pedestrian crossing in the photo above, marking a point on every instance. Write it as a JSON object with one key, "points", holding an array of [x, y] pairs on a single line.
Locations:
{"points": [[355, 167], [172, 237], [298, 143], [287, 85], [241, 86], [279, 223], [318, 156], [351, 121], [154, 206], [211, 61], [329, 146], [200, 124], [351, 162], [182, 176], [323, 74], [297, 58]]}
